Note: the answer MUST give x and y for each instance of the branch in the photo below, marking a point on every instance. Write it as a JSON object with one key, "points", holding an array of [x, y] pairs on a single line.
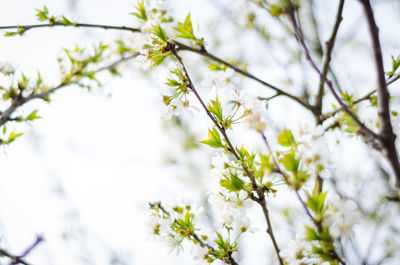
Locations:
{"points": [[329, 48], [20, 259], [367, 96], [261, 197], [180, 45], [387, 137], [14, 258], [205, 53], [21, 100], [370, 136], [75, 25]]}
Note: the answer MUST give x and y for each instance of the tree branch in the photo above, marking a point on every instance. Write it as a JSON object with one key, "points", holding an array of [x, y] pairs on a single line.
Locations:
{"points": [[327, 59], [181, 46], [75, 25], [367, 96], [370, 136], [261, 197], [20, 100], [386, 135]]}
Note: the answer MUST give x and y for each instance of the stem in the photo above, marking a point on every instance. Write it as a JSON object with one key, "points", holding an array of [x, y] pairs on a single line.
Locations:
{"points": [[279, 91], [14, 258], [181, 46], [279, 170], [21, 100], [20, 259], [371, 137], [367, 96], [327, 59], [77, 25], [261, 197]]}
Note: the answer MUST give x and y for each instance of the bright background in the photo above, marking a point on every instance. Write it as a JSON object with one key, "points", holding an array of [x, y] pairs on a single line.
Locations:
{"points": [[86, 171]]}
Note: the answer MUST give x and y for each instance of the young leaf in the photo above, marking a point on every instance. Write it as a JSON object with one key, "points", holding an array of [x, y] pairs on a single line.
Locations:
{"points": [[290, 162], [141, 14], [214, 139], [285, 138]]}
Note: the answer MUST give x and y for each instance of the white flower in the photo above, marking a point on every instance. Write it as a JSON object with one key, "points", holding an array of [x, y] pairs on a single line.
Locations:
{"points": [[220, 162], [296, 250], [220, 79], [342, 215], [200, 254], [170, 108], [175, 66], [172, 242], [231, 207]]}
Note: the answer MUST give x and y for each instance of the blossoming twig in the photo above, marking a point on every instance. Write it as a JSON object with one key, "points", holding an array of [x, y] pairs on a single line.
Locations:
{"points": [[261, 197]]}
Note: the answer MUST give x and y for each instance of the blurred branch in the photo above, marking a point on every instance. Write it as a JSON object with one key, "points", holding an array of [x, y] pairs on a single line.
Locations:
{"points": [[180, 45], [367, 96], [386, 135], [20, 100], [327, 59], [370, 136], [75, 25], [20, 259]]}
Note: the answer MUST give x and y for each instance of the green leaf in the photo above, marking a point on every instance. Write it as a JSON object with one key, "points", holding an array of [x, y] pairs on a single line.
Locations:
{"points": [[160, 33], [214, 139], [185, 29], [33, 116], [311, 234], [290, 162], [216, 67], [285, 138], [43, 15], [141, 14], [233, 184], [395, 64], [67, 22], [13, 136], [216, 109], [10, 33], [316, 203]]}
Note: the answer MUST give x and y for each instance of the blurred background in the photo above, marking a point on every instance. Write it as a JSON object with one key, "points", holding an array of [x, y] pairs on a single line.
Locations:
{"points": [[82, 176]]}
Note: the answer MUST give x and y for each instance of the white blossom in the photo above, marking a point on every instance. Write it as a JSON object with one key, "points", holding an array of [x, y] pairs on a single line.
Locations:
{"points": [[220, 162], [200, 254], [295, 251], [342, 215], [231, 207]]}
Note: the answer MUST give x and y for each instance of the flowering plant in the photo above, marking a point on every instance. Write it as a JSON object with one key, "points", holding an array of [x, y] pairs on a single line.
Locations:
{"points": [[289, 173]]}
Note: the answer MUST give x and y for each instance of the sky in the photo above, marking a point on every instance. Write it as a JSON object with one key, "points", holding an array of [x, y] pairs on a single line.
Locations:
{"points": [[86, 171], [88, 168]]}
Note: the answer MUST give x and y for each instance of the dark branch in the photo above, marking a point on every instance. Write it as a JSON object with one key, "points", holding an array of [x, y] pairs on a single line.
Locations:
{"points": [[387, 136], [327, 59]]}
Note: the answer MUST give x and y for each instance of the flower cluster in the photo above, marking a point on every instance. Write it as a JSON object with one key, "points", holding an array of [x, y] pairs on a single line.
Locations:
{"points": [[175, 101], [341, 216]]}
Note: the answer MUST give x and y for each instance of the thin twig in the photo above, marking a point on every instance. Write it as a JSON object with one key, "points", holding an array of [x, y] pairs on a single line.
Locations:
{"points": [[75, 25], [261, 197], [181, 46], [327, 59], [21, 100], [367, 96], [5, 253], [279, 91], [370, 136]]}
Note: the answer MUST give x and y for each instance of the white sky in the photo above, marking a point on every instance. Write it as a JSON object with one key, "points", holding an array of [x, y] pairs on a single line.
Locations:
{"points": [[104, 152]]}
